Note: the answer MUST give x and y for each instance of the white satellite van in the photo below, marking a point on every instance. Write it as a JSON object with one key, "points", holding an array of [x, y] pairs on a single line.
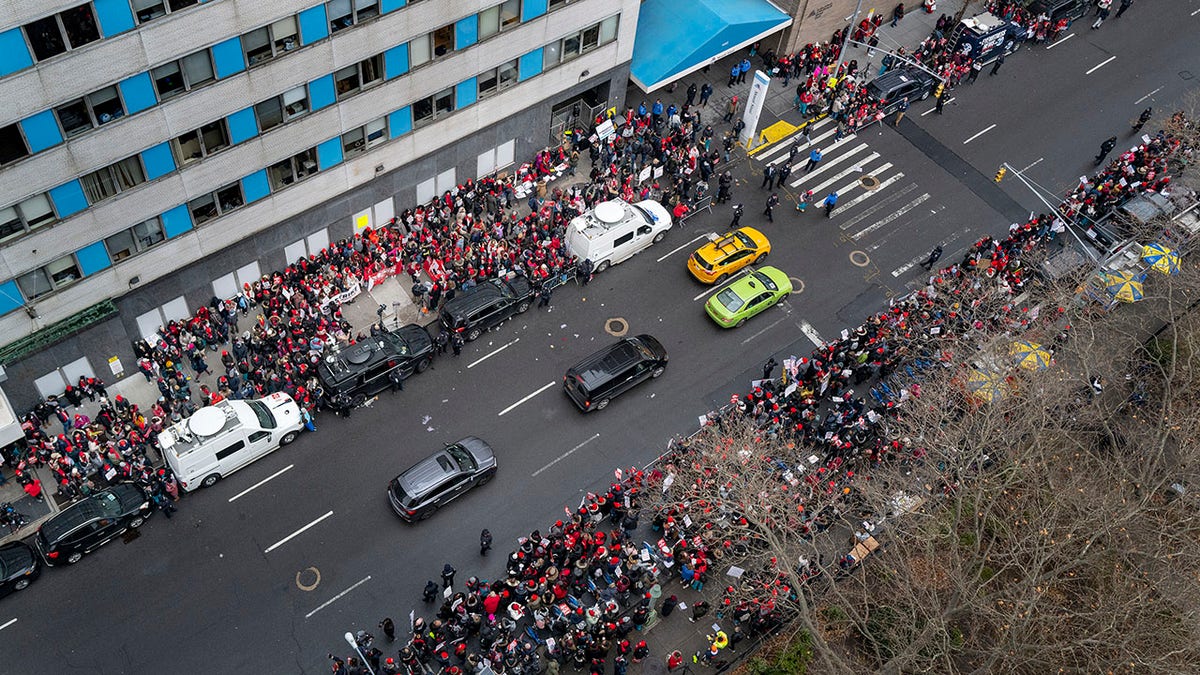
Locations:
{"points": [[226, 436], [615, 230]]}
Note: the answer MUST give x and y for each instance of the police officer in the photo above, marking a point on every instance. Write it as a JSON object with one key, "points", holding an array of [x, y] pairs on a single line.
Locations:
{"points": [[1105, 148], [456, 343], [737, 216], [397, 380]]}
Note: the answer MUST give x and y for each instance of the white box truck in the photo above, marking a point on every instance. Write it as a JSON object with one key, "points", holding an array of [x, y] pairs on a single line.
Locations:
{"points": [[222, 438], [615, 230]]}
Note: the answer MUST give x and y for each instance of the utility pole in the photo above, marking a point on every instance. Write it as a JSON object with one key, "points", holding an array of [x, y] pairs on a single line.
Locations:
{"points": [[846, 35]]}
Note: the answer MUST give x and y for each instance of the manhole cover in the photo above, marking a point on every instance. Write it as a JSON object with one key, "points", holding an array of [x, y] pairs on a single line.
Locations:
{"points": [[616, 326], [860, 258], [869, 182]]}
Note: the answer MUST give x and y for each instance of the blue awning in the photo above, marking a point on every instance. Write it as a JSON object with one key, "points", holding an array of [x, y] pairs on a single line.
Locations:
{"points": [[676, 38]]}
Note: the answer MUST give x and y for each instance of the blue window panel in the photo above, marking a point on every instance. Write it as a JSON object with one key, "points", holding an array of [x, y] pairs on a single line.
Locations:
{"points": [[466, 93], [10, 297], [532, 9], [313, 25], [93, 259], [14, 53], [68, 199], [329, 153], [386, 6], [529, 65], [177, 221], [466, 32], [115, 16], [400, 122], [41, 131], [255, 186], [228, 57], [242, 126], [158, 161], [395, 61], [138, 93], [320, 92]]}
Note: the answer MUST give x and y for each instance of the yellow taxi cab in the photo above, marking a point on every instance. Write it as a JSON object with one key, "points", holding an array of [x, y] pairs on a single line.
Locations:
{"points": [[713, 262]]}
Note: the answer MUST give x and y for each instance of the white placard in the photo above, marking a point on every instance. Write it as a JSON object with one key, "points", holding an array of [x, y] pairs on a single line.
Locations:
{"points": [[735, 572], [606, 130]]}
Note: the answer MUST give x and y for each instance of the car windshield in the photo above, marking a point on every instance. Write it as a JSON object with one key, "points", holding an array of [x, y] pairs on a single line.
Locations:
{"points": [[746, 240], [766, 281], [650, 218], [108, 503], [265, 419], [398, 343], [465, 461], [730, 300], [701, 262]]}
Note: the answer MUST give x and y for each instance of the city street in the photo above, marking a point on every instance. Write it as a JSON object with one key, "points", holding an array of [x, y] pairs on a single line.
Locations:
{"points": [[265, 571]]}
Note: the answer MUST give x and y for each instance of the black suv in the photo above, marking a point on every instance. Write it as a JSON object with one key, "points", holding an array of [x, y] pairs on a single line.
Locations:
{"points": [[612, 371], [18, 567], [486, 306], [363, 369], [91, 523], [1059, 9], [891, 87], [434, 482]]}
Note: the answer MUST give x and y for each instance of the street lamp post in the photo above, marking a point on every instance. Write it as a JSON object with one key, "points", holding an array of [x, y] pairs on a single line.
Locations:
{"points": [[350, 639]]}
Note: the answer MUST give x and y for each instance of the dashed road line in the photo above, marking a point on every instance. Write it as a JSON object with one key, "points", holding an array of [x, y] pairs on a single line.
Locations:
{"points": [[337, 597], [8, 623], [891, 217], [297, 533], [1038, 161], [1059, 41], [979, 134], [1156, 90], [261, 482], [493, 353], [769, 327], [540, 390], [949, 100], [710, 290], [677, 250], [811, 333], [1100, 65], [563, 456]]}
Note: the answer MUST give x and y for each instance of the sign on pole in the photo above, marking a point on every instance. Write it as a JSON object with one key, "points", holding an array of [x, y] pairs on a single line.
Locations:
{"points": [[754, 105]]}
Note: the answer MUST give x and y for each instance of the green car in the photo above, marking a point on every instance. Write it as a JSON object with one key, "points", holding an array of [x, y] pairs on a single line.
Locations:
{"points": [[747, 295]]}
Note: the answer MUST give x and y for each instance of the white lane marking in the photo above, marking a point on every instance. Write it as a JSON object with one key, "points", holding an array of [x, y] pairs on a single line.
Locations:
{"points": [[1060, 41], [1156, 90], [858, 167], [826, 164], [811, 142], [563, 456], [1194, 13], [979, 134], [845, 189], [337, 597], [9, 623], [934, 109], [540, 390], [262, 482], [494, 352], [776, 323], [782, 143], [1100, 65], [811, 333], [1039, 161], [944, 243], [710, 290], [899, 212], [703, 236], [297, 533], [858, 218]]}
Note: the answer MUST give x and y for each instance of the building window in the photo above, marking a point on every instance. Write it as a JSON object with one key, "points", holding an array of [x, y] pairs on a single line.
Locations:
{"points": [[34, 284], [55, 34], [591, 38], [285, 35], [295, 102], [499, 18], [268, 42], [106, 105], [135, 240], [555, 4], [376, 132], [608, 29], [218, 203], [424, 48], [168, 80], [352, 79], [63, 271], [293, 169], [198, 69], [74, 117], [356, 141], [12, 144], [346, 13], [203, 208], [431, 107], [113, 179], [256, 45], [30, 214], [183, 75], [288, 106], [498, 79], [571, 46], [418, 50], [148, 10], [269, 113], [443, 41], [551, 55], [201, 142]]}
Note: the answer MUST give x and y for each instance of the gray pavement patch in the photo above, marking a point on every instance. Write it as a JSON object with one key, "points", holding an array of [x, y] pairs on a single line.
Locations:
{"points": [[869, 182]]}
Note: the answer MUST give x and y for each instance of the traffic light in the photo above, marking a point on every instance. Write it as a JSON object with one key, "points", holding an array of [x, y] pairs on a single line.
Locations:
{"points": [[937, 93], [1000, 174]]}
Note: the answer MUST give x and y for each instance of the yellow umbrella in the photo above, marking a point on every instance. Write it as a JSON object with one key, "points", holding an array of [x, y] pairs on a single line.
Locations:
{"points": [[1161, 258], [1030, 355], [987, 386], [1125, 286]]}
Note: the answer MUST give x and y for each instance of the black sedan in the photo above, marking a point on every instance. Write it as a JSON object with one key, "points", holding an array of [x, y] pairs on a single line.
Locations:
{"points": [[19, 567]]}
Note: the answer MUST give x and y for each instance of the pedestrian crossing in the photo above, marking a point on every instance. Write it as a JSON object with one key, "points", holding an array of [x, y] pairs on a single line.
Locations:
{"points": [[844, 163]]}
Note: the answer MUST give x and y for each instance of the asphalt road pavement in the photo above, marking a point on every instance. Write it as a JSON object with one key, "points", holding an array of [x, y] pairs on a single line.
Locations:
{"points": [[265, 571]]}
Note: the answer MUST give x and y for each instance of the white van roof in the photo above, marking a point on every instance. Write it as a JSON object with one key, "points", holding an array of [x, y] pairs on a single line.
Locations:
{"points": [[189, 434], [603, 217]]}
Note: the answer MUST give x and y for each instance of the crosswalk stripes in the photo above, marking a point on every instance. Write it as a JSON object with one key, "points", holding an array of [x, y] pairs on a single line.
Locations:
{"points": [[782, 143]]}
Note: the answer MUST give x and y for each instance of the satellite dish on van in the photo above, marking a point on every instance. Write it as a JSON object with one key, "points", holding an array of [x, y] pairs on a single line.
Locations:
{"points": [[609, 212], [206, 421], [359, 356]]}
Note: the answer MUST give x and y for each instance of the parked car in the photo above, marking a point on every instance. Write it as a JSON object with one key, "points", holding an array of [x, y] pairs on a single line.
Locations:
{"points": [[19, 567], [485, 306], [363, 369], [593, 382], [91, 523], [900, 82], [1059, 9], [438, 480], [747, 296]]}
